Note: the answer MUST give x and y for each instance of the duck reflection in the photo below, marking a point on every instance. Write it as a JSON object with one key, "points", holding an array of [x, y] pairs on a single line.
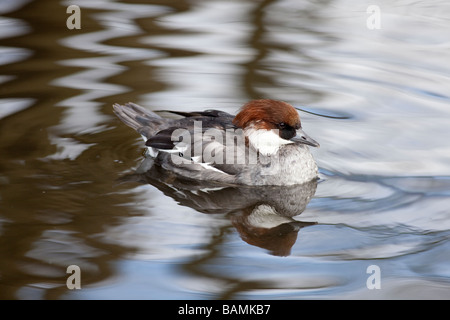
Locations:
{"points": [[262, 215]]}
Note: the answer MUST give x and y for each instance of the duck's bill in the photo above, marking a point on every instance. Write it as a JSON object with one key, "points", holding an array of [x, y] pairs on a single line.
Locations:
{"points": [[302, 137]]}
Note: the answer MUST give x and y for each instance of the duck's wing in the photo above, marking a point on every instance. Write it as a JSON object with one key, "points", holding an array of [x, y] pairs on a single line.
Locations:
{"points": [[202, 142], [193, 146], [191, 130]]}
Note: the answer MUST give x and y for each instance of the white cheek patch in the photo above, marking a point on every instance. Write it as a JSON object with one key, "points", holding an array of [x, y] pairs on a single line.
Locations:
{"points": [[267, 142]]}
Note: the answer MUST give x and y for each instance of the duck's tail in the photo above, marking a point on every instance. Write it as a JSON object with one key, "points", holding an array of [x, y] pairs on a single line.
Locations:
{"points": [[144, 121]]}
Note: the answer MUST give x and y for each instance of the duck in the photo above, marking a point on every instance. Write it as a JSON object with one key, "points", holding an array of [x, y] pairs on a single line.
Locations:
{"points": [[263, 144]]}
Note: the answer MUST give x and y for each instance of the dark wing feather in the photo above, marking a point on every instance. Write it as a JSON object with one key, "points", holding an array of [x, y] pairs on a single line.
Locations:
{"points": [[206, 113], [209, 119], [162, 140]]}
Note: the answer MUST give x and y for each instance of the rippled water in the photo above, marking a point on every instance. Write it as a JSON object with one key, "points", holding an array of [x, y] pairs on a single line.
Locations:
{"points": [[377, 100]]}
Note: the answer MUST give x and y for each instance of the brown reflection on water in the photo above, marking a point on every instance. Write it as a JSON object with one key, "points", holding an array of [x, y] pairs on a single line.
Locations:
{"points": [[258, 73], [58, 173], [52, 204]]}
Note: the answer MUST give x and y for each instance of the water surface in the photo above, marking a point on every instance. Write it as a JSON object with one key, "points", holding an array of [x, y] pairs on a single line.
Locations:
{"points": [[376, 99]]}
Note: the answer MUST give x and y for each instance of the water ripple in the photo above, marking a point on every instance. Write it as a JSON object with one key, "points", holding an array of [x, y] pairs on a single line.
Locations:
{"points": [[376, 100]]}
